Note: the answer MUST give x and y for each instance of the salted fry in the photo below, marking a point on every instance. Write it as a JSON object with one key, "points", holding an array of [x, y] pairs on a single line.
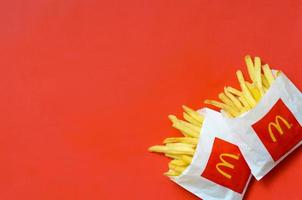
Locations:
{"points": [[268, 74], [181, 150], [234, 100], [245, 90], [190, 131], [244, 102], [190, 126], [186, 158], [227, 101], [254, 91], [180, 145], [174, 156], [190, 119], [193, 113], [264, 82], [158, 149], [186, 140], [178, 162], [234, 91], [257, 75], [223, 106], [176, 168], [250, 67], [185, 130], [172, 173], [172, 150]]}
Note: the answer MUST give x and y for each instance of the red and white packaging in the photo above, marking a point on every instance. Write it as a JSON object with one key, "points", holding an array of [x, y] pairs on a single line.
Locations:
{"points": [[272, 129], [218, 170]]}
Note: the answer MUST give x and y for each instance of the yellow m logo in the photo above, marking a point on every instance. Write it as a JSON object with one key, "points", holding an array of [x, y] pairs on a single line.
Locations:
{"points": [[226, 164], [277, 126]]}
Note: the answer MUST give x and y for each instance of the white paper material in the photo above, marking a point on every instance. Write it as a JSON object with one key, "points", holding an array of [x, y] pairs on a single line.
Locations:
{"points": [[214, 126], [255, 152]]}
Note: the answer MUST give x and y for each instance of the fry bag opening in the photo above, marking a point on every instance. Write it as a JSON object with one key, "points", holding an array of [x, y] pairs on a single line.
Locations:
{"points": [[218, 169], [272, 129]]}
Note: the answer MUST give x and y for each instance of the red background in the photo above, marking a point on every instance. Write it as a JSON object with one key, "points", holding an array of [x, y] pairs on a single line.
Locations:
{"points": [[86, 87]]}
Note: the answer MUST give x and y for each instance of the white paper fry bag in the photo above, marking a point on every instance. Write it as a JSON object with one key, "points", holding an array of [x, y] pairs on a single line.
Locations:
{"points": [[218, 170], [272, 129]]}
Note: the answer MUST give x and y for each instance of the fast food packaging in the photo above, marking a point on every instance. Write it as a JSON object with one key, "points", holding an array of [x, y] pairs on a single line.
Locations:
{"points": [[272, 129], [218, 170]]}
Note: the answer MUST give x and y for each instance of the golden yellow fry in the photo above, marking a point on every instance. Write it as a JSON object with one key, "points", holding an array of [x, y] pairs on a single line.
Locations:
{"points": [[180, 149], [229, 111], [264, 82], [158, 149], [250, 67], [234, 91], [176, 168], [180, 145], [173, 118], [254, 91], [257, 75], [178, 126], [268, 73], [245, 90], [193, 114], [234, 100], [191, 127], [223, 106], [186, 158], [171, 165], [227, 101], [184, 128], [183, 132], [187, 140], [174, 156], [215, 103], [177, 162], [244, 102], [172, 173], [191, 120], [172, 150]]}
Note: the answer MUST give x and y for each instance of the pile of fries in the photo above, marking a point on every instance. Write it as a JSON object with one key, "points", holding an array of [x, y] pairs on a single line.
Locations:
{"points": [[181, 149], [233, 103]]}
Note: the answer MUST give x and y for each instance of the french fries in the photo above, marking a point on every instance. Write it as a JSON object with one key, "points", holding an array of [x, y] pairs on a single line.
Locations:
{"points": [[181, 149], [235, 102]]}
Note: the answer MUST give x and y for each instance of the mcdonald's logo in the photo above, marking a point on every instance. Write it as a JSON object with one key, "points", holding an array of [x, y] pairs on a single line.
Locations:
{"points": [[226, 166], [277, 126], [278, 130], [224, 163]]}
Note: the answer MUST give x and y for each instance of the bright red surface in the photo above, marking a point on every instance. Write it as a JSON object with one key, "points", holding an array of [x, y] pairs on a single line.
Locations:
{"points": [[86, 87]]}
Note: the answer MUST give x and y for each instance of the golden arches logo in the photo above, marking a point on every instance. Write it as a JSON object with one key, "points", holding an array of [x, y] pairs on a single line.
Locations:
{"points": [[277, 126], [226, 164]]}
